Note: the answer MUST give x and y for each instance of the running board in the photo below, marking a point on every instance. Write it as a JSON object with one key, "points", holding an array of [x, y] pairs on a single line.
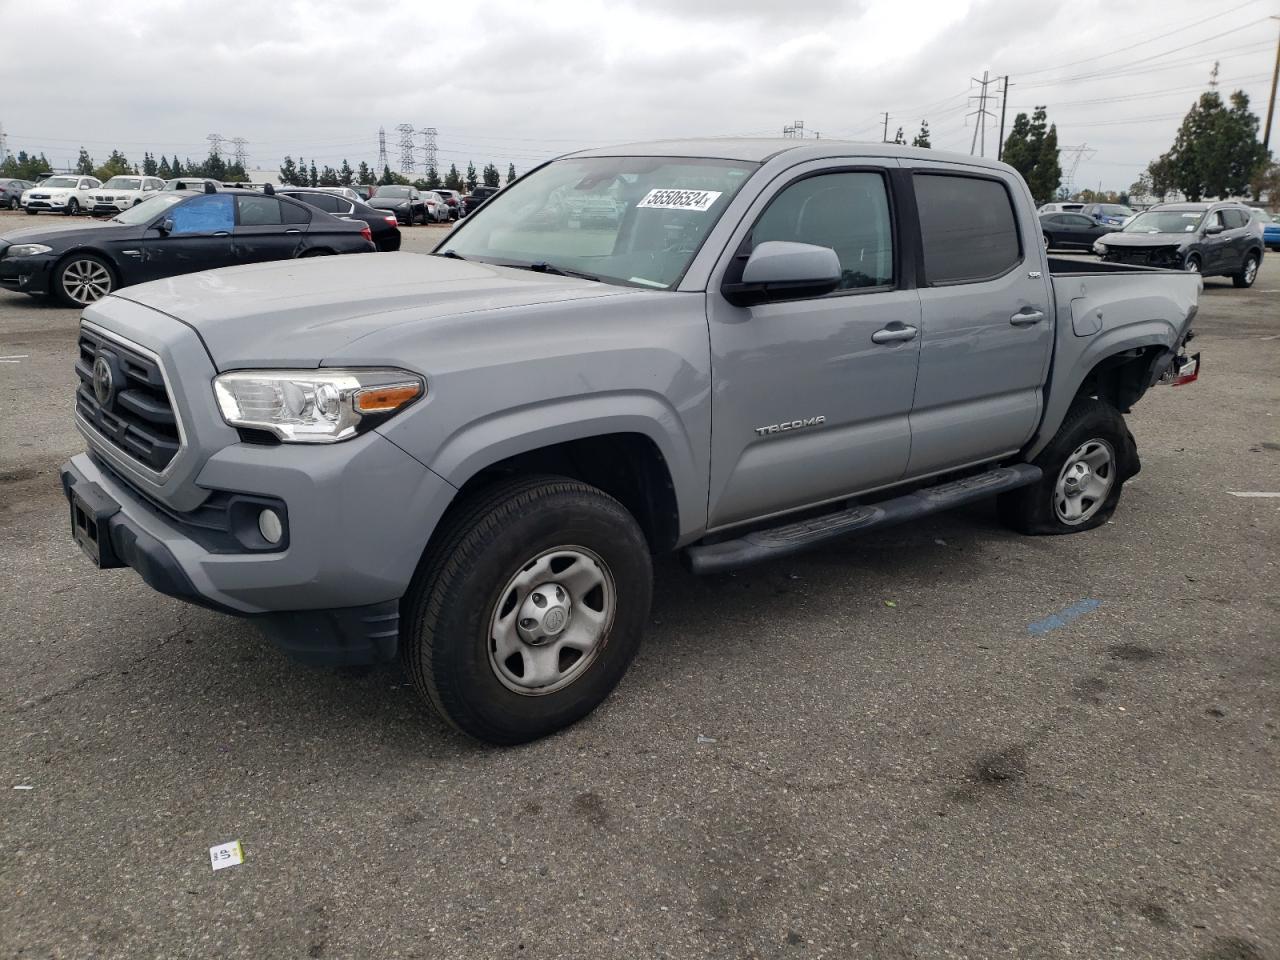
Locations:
{"points": [[782, 541]]}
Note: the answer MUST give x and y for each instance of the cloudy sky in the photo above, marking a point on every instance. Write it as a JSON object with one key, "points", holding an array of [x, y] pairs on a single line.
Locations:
{"points": [[505, 81]]}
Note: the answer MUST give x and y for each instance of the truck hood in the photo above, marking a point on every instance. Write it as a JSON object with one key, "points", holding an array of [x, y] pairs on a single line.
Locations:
{"points": [[1119, 239], [295, 313]]}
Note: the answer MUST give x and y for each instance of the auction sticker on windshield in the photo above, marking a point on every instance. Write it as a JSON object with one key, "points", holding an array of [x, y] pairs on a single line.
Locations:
{"points": [[700, 200]]}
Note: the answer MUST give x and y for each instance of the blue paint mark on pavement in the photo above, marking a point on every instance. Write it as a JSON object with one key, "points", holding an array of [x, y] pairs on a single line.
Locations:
{"points": [[1063, 617]]}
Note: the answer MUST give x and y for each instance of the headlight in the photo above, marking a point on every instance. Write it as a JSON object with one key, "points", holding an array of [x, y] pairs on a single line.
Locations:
{"points": [[1099, 247], [27, 250], [314, 406]]}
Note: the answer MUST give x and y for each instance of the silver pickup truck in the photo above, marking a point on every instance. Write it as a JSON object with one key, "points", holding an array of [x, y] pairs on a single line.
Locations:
{"points": [[730, 349]]}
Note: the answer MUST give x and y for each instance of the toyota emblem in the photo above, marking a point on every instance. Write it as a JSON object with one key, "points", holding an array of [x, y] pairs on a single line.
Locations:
{"points": [[103, 385]]}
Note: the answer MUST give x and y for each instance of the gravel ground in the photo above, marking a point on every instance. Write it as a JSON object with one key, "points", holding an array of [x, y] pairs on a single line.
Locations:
{"points": [[862, 752]]}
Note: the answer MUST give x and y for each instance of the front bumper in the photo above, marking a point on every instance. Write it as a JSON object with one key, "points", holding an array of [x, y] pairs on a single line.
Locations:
{"points": [[331, 595], [57, 205], [26, 274]]}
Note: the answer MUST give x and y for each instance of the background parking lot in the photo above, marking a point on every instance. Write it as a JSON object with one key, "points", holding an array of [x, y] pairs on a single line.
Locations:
{"points": [[942, 740]]}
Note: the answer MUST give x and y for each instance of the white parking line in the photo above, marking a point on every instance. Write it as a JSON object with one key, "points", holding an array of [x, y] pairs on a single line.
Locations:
{"points": [[1253, 493], [15, 358]]}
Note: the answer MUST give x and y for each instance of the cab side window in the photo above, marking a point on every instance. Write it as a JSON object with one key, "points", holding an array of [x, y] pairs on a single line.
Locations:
{"points": [[207, 213], [968, 228], [1235, 219], [848, 212]]}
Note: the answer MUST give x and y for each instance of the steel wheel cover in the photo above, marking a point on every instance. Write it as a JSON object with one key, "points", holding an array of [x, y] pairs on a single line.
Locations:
{"points": [[551, 620], [1085, 482]]}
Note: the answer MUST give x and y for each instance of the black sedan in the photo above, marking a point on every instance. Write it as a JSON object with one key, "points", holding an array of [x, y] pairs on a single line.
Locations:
{"points": [[405, 202], [1072, 230], [170, 234], [382, 224], [471, 202]]}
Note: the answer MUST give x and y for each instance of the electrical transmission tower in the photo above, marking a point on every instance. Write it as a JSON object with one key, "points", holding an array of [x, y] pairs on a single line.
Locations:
{"points": [[215, 144], [796, 130], [241, 152], [1071, 157], [382, 150], [429, 149], [406, 147], [980, 128]]}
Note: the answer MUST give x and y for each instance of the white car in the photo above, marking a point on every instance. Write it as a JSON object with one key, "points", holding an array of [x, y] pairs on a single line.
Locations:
{"points": [[192, 184], [123, 192], [63, 194], [436, 207]]}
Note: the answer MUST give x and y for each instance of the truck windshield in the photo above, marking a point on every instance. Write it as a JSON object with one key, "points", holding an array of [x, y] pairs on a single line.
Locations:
{"points": [[630, 220], [1165, 221]]}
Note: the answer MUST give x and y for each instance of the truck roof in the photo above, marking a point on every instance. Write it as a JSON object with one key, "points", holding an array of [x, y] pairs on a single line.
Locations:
{"points": [[759, 150]]}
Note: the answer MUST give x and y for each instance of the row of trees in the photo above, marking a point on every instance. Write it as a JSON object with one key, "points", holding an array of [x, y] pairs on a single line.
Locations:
{"points": [[298, 173], [1216, 153]]}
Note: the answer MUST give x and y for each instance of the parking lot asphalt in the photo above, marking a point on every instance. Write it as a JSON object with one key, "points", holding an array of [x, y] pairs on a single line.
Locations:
{"points": [[892, 747]]}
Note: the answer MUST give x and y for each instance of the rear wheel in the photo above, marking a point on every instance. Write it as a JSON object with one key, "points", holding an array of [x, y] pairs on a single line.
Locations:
{"points": [[13, 203], [527, 609], [1085, 466], [1048, 241], [83, 279], [1248, 273]]}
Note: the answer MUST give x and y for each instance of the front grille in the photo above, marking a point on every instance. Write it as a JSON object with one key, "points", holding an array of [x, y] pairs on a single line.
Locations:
{"points": [[138, 417], [1144, 256]]}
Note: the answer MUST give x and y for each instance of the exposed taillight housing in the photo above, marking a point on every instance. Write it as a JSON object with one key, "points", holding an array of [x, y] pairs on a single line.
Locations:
{"points": [[391, 219], [366, 233]]}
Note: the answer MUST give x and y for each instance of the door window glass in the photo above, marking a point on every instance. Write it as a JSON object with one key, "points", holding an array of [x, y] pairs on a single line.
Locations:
{"points": [[848, 212], [321, 201], [1077, 221], [291, 212], [208, 213], [967, 226], [258, 211], [1235, 218]]}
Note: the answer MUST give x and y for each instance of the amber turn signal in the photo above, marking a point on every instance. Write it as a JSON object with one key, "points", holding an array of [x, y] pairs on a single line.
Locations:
{"points": [[387, 399]]}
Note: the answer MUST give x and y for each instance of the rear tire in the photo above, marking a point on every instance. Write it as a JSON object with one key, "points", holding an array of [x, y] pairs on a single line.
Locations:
{"points": [[466, 616], [1048, 241], [1085, 467], [1248, 273]]}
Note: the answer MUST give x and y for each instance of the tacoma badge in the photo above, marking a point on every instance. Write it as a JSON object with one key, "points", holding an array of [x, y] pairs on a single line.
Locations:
{"points": [[791, 425]]}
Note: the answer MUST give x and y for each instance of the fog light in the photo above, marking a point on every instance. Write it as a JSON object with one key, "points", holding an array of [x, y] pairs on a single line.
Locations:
{"points": [[270, 527]]}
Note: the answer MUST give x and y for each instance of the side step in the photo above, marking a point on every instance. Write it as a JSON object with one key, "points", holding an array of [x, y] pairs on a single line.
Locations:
{"points": [[782, 541]]}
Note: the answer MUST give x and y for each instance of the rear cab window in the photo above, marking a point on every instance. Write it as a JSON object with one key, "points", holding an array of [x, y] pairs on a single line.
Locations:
{"points": [[968, 228]]}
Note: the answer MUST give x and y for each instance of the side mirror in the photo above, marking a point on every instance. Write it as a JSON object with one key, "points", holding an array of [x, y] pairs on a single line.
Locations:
{"points": [[779, 269], [1213, 228], [165, 225]]}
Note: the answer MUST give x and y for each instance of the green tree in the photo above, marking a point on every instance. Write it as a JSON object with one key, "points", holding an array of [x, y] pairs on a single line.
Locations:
{"points": [[149, 167], [491, 176], [473, 180], [433, 178], [328, 177], [313, 178], [214, 167], [84, 165], [289, 172], [346, 176], [164, 171], [117, 164], [1216, 150], [365, 176], [23, 165], [453, 180], [1032, 150], [176, 168], [511, 173], [1266, 180], [922, 138], [235, 173]]}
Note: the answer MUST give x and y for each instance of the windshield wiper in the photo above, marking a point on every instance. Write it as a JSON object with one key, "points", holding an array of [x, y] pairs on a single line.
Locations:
{"points": [[451, 254], [543, 267]]}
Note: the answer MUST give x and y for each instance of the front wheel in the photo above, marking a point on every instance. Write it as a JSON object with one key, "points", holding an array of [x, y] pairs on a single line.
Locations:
{"points": [[13, 203], [527, 609], [1084, 469], [81, 280], [1248, 273], [1191, 264], [73, 207]]}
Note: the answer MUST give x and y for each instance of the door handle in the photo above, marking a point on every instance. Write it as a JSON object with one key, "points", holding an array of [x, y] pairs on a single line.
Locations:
{"points": [[295, 231], [222, 233], [894, 335], [1026, 318]]}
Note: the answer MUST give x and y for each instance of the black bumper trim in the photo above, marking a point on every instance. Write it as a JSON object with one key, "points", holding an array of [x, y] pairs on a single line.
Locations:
{"points": [[339, 637]]}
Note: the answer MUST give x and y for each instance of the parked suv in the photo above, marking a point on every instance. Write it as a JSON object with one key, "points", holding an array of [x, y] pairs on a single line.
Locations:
{"points": [[11, 192], [1211, 239], [61, 194], [468, 460], [1110, 214], [123, 192]]}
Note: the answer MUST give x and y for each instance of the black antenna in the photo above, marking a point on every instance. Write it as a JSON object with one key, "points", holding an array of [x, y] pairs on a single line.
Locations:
{"points": [[209, 187]]}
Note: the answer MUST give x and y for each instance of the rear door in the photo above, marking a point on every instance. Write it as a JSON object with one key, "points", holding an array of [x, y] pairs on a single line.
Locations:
{"points": [[986, 331], [261, 234], [809, 404], [200, 238]]}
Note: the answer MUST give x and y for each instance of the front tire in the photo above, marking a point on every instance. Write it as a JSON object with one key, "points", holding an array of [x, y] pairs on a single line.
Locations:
{"points": [[1085, 467], [1048, 241], [527, 609], [1248, 273], [1192, 264], [83, 279], [73, 207]]}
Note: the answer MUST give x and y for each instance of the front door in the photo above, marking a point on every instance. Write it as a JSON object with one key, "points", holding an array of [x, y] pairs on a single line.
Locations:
{"points": [[1215, 247], [260, 234], [986, 327], [200, 238], [807, 407]]}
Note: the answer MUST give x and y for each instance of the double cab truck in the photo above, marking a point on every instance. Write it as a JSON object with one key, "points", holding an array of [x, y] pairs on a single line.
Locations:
{"points": [[468, 460]]}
